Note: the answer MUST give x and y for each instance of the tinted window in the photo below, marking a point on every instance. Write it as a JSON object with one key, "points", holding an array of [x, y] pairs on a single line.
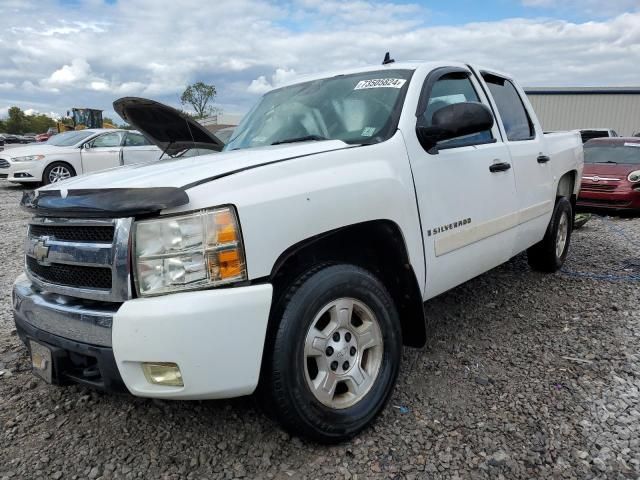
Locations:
{"points": [[450, 89], [109, 140], [628, 153], [67, 139], [589, 134], [514, 116], [135, 140]]}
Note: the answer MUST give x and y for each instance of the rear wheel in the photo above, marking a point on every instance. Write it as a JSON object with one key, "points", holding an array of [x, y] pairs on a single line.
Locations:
{"points": [[335, 355], [549, 254], [56, 172]]}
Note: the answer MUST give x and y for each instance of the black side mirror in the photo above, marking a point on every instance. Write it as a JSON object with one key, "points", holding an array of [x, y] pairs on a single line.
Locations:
{"points": [[455, 120]]}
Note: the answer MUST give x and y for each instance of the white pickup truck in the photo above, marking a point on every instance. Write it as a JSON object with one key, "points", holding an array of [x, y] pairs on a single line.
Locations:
{"points": [[295, 263]]}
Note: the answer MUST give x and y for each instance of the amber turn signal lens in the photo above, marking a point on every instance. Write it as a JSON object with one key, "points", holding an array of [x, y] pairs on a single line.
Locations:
{"points": [[225, 226], [226, 264], [230, 264]]}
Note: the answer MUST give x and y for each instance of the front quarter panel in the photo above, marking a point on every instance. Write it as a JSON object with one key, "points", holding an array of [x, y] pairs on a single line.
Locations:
{"points": [[70, 156], [284, 203]]}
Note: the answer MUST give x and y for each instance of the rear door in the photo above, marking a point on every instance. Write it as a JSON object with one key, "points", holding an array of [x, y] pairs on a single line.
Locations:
{"points": [[102, 152], [137, 149], [468, 207], [532, 161]]}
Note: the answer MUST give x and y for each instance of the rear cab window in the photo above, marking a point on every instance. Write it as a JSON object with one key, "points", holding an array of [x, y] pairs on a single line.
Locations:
{"points": [[515, 118]]}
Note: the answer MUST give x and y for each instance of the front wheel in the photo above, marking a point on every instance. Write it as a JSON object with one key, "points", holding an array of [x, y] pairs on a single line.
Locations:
{"points": [[56, 172], [549, 254], [335, 356]]}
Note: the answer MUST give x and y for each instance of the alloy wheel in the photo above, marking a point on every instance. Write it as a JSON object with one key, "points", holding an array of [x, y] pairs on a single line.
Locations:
{"points": [[342, 353]]}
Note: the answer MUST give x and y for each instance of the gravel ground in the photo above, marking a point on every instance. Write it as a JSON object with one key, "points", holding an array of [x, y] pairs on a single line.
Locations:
{"points": [[525, 376]]}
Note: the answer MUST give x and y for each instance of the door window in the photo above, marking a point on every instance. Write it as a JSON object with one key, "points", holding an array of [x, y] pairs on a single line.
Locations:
{"points": [[515, 118], [450, 89], [108, 140], [135, 140]]}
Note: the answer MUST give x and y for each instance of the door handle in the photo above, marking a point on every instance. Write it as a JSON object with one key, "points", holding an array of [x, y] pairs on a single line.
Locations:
{"points": [[543, 159], [499, 167]]}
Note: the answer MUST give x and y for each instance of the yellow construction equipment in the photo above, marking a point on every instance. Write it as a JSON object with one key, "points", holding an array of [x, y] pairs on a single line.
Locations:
{"points": [[81, 118]]}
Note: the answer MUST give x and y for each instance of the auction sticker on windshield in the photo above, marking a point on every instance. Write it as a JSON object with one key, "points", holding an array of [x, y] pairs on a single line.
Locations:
{"points": [[380, 83]]}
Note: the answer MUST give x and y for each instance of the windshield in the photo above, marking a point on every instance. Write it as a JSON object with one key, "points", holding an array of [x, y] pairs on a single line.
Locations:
{"points": [[625, 153], [359, 108], [67, 139]]}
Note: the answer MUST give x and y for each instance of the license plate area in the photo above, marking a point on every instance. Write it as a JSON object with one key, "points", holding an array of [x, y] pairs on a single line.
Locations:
{"points": [[41, 361]]}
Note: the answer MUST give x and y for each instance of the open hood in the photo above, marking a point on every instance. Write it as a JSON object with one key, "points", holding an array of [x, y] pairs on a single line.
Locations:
{"points": [[171, 130]]}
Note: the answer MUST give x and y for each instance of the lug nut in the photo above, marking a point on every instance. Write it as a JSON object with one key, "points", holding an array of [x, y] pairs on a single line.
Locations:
{"points": [[334, 365], [336, 337], [352, 351], [329, 351], [345, 366], [347, 336]]}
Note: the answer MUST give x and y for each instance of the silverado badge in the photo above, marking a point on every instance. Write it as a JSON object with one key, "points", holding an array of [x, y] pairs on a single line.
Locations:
{"points": [[447, 227]]}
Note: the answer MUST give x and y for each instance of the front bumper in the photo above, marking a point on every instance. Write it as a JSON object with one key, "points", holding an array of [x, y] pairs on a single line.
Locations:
{"points": [[216, 337], [624, 197], [23, 171], [78, 337]]}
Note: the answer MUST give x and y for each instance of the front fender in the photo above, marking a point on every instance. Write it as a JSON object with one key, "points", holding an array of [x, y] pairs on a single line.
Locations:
{"points": [[284, 203]]}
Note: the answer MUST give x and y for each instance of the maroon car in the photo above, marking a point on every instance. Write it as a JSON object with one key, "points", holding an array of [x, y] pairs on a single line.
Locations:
{"points": [[611, 177]]}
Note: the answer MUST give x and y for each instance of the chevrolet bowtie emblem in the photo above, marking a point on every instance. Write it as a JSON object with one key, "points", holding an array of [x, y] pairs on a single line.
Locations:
{"points": [[41, 250]]}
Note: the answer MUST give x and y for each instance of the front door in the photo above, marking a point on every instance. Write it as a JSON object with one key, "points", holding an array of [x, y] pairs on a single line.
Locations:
{"points": [[467, 202], [102, 152]]}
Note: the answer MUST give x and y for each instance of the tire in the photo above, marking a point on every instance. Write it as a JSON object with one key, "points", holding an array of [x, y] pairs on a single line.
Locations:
{"points": [[549, 254], [317, 343], [59, 170]]}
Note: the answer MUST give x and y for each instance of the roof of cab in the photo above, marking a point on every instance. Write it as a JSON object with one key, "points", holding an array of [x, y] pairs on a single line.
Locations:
{"points": [[369, 68]]}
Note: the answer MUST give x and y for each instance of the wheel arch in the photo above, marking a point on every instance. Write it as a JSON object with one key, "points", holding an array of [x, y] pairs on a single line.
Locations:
{"points": [[568, 186], [378, 246]]}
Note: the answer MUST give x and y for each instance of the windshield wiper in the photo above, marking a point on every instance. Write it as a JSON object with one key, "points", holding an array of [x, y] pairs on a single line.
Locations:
{"points": [[608, 161], [306, 138]]}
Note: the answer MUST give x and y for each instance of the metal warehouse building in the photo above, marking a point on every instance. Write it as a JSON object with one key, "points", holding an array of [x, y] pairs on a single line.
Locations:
{"points": [[569, 108]]}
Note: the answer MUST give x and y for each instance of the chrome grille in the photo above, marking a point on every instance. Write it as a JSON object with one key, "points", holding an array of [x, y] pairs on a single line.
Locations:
{"points": [[4, 163], [80, 233], [71, 275], [84, 258]]}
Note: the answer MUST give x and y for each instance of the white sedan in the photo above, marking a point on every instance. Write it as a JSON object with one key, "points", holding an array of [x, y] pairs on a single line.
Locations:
{"points": [[73, 153]]}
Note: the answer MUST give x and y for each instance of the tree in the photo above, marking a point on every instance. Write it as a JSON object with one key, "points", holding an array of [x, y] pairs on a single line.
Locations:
{"points": [[16, 122], [38, 123], [19, 122], [199, 96]]}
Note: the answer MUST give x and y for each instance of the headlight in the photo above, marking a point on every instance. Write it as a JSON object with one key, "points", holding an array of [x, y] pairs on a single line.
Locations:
{"points": [[28, 158], [634, 176], [187, 252]]}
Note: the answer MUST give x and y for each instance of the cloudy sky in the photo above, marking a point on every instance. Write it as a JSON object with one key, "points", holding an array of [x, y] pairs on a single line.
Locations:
{"points": [[55, 54]]}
